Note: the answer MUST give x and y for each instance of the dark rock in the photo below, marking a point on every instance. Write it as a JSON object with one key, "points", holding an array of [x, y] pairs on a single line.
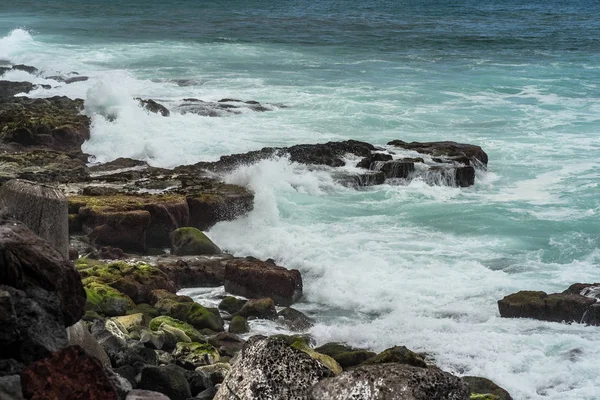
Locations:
{"points": [[231, 304], [10, 367], [53, 123], [399, 355], [295, 319], [238, 325], [118, 164], [259, 308], [154, 107], [10, 388], [591, 290], [69, 80], [222, 203], [345, 355], [207, 394], [195, 272], [191, 241], [145, 395], [464, 176], [42, 208], [28, 262], [371, 159], [392, 381], [27, 68], [42, 166], [214, 373], [452, 150], [254, 279], [167, 380], [592, 315], [557, 307], [397, 169], [269, 368], [128, 372], [479, 385], [69, 374], [198, 381], [9, 89], [370, 178], [227, 343], [193, 355], [330, 153]]}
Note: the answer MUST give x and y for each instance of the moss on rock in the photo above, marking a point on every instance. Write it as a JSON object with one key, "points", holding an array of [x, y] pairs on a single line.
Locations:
{"points": [[232, 304], [199, 317], [107, 300], [238, 325], [189, 241], [345, 355], [192, 355], [188, 329], [324, 359], [398, 354]]}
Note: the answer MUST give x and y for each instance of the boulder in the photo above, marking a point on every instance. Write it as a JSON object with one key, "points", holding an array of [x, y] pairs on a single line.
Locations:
{"points": [[483, 386], [168, 380], [399, 355], [324, 359], [28, 262], [216, 372], [273, 369], [345, 355], [107, 300], [26, 68], [557, 307], [70, 374], [193, 355], [78, 335], [198, 271], [220, 202], [231, 304], [238, 325], [259, 308], [164, 321], [295, 319], [392, 381], [451, 150], [138, 394], [154, 107], [32, 324], [10, 388], [397, 169], [189, 241], [227, 343], [464, 176], [253, 278], [374, 158]]}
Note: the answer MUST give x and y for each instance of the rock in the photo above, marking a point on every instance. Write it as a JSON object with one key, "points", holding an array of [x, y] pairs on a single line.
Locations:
{"points": [[167, 380], [131, 322], [324, 359], [259, 308], [273, 369], [163, 321], [591, 290], [399, 355], [368, 161], [191, 241], [255, 279], [121, 384], [10, 388], [345, 355], [227, 343], [557, 307], [392, 381], [27, 68], [216, 372], [107, 300], [200, 318], [9, 89], [138, 394], [452, 150], [78, 335], [397, 169], [354, 180], [128, 372], [231, 304], [295, 319], [44, 166], [10, 367], [69, 374], [220, 203], [193, 355], [32, 324], [30, 262], [592, 315], [198, 271], [154, 107], [478, 385], [53, 123], [207, 394], [154, 340], [42, 208], [177, 333], [238, 325], [464, 176]]}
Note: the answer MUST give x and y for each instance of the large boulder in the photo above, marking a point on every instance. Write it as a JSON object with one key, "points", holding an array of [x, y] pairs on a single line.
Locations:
{"points": [[69, 374], [253, 278], [557, 307], [392, 381], [209, 204], [28, 262], [41, 207], [190, 241], [454, 151], [168, 380], [271, 369]]}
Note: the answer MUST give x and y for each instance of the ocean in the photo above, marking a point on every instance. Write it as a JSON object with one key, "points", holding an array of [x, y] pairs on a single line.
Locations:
{"points": [[411, 264]]}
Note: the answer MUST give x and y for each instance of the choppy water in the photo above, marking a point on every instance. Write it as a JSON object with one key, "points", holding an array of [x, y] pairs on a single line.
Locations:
{"points": [[417, 265]]}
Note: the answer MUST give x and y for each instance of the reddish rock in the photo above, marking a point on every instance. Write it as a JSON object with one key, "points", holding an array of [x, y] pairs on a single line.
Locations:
{"points": [[253, 278], [68, 374]]}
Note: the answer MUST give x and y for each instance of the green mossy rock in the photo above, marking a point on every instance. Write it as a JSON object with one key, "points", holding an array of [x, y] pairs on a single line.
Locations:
{"points": [[487, 396], [291, 339], [238, 325], [158, 322], [131, 322], [484, 387], [345, 355], [193, 355], [232, 304], [146, 309], [191, 241], [174, 308], [397, 354], [200, 318], [106, 300], [324, 359], [259, 308]]}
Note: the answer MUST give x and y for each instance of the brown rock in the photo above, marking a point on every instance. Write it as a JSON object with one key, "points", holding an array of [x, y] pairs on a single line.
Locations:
{"points": [[69, 374]]}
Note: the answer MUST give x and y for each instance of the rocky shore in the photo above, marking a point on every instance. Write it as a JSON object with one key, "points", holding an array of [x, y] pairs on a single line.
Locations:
{"points": [[110, 324]]}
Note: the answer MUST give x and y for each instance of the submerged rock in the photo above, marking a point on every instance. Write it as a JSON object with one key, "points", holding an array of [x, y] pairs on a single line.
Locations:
{"points": [[392, 381]]}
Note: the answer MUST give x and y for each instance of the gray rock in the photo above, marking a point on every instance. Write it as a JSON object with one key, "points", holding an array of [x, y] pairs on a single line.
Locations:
{"points": [[155, 340], [215, 373], [10, 388], [79, 335], [168, 380], [42, 208], [145, 395], [271, 369], [207, 394], [392, 381], [295, 319], [9, 89]]}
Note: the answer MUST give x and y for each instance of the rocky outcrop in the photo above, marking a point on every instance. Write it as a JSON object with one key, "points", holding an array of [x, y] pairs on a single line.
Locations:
{"points": [[467, 154], [154, 107], [43, 166], [220, 108], [392, 381], [557, 307], [272, 369], [345, 355], [29, 263], [69, 374], [9, 89], [255, 279]]}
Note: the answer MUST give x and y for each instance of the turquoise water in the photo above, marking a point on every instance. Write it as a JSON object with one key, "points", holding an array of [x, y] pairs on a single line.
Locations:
{"points": [[414, 264]]}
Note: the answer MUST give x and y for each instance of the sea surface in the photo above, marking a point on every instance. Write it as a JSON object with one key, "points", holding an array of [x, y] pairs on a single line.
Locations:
{"points": [[411, 264]]}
